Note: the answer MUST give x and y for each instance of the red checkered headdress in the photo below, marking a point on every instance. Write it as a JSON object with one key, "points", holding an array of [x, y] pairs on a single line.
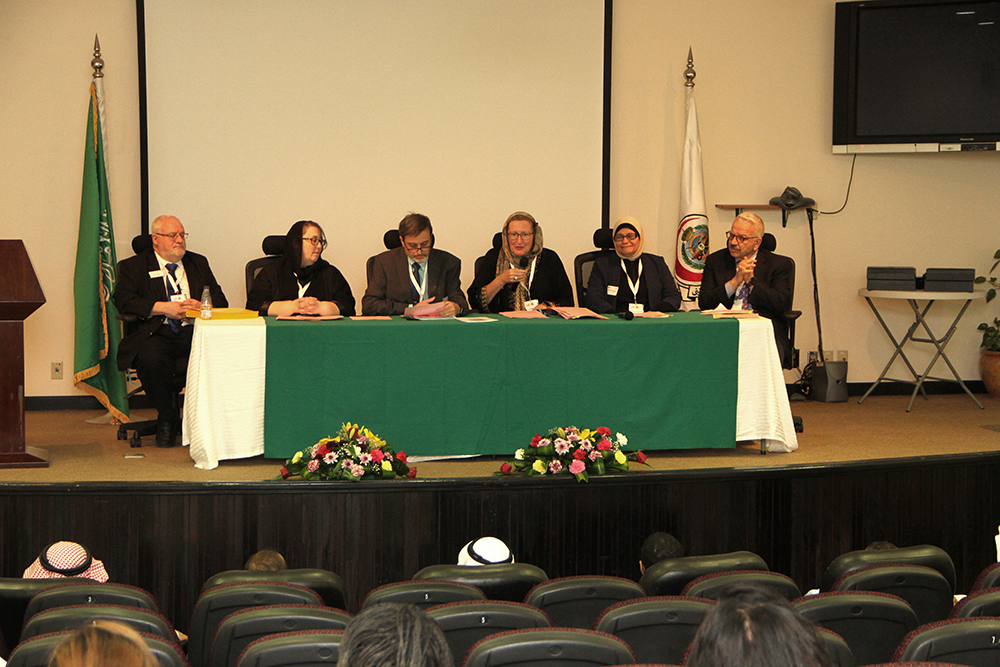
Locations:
{"points": [[66, 559]]}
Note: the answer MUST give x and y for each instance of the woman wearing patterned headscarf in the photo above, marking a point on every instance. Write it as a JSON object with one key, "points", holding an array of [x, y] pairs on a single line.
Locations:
{"points": [[521, 274], [631, 280], [302, 281]]}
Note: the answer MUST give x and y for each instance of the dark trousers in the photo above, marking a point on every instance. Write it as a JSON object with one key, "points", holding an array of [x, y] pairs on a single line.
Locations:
{"points": [[162, 368]]}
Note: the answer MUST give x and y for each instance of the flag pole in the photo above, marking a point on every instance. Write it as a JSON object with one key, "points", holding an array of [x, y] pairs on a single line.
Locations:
{"points": [[692, 228]]}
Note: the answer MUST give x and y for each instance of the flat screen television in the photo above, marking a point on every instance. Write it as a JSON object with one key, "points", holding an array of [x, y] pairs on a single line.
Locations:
{"points": [[916, 76]]}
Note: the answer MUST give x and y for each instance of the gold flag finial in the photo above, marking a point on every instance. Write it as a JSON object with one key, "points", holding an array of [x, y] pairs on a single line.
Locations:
{"points": [[689, 73], [97, 63]]}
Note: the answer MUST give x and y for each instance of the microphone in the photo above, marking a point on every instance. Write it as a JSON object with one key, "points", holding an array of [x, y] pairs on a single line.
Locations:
{"points": [[627, 315], [523, 263]]}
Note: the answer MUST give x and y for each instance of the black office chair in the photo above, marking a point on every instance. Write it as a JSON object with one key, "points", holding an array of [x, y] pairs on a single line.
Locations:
{"points": [[670, 576], [768, 242], [423, 593], [505, 581], [659, 629], [583, 264], [328, 585], [465, 623], [576, 602], [480, 261], [273, 248], [390, 240]]}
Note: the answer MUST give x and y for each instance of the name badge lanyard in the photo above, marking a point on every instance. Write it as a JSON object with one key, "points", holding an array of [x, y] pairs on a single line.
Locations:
{"points": [[303, 288], [531, 274], [422, 287], [175, 284], [634, 286]]}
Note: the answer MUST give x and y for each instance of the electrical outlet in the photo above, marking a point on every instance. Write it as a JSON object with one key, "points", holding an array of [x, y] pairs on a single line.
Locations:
{"points": [[827, 355], [57, 370], [813, 355], [841, 355]]}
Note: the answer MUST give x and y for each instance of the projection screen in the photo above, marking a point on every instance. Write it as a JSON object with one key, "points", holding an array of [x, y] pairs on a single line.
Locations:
{"points": [[352, 113]]}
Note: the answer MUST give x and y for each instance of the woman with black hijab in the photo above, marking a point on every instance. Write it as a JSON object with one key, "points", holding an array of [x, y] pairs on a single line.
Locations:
{"points": [[302, 282], [633, 280], [521, 274]]}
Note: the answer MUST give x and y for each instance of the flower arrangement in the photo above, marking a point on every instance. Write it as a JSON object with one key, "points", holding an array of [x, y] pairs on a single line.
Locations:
{"points": [[355, 453], [581, 453]]}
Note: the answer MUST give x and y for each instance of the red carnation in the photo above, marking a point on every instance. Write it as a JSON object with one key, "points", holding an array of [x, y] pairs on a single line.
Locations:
{"points": [[604, 445], [604, 430], [285, 474], [377, 455], [505, 468], [401, 457], [413, 472], [536, 440], [579, 455], [640, 457], [322, 450]]}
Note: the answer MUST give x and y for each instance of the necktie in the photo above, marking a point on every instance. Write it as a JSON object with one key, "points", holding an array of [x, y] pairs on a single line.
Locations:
{"points": [[414, 294], [175, 325], [743, 294]]}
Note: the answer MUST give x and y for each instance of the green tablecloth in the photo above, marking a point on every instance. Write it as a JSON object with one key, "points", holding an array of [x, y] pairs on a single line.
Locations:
{"points": [[451, 388]]}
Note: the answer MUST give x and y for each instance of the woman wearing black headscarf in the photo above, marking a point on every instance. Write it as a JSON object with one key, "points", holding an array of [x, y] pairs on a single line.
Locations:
{"points": [[302, 281], [633, 280], [520, 274]]}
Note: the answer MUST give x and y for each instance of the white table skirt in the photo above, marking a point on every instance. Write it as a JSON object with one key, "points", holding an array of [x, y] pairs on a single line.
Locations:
{"points": [[224, 399]]}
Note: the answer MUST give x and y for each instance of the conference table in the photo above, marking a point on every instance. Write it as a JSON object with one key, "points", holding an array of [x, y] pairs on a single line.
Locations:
{"points": [[455, 387]]}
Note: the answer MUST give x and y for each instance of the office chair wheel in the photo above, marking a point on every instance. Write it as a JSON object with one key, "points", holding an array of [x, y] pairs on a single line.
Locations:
{"points": [[135, 440], [122, 432]]}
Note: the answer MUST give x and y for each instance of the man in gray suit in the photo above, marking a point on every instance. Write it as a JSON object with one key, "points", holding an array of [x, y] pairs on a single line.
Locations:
{"points": [[415, 274]]}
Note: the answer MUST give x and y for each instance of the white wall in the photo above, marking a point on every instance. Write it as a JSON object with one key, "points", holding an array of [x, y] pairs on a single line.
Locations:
{"points": [[764, 98]]}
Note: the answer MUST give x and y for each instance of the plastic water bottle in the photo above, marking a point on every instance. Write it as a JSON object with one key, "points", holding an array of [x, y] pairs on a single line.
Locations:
{"points": [[206, 304]]}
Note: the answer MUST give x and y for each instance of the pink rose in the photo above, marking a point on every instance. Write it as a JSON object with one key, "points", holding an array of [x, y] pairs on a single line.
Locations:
{"points": [[576, 467]]}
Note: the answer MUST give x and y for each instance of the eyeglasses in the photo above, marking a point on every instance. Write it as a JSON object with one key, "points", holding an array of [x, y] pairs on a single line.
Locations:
{"points": [[738, 238], [315, 240], [631, 236], [414, 247], [524, 236], [175, 235]]}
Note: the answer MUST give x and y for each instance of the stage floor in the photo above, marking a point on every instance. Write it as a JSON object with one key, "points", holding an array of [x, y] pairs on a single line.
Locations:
{"points": [[879, 428]]}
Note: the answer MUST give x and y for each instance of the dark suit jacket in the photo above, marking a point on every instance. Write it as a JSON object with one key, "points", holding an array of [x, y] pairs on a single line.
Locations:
{"points": [[660, 286], [388, 290], [136, 294], [770, 293]]}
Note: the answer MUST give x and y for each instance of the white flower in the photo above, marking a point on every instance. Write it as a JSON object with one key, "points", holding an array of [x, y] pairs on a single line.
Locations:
{"points": [[621, 439], [519, 455]]}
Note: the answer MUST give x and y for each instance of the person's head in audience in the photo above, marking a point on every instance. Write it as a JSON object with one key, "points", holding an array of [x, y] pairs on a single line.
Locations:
{"points": [[393, 635], [753, 627], [266, 559], [66, 559], [522, 237], [417, 236], [743, 238], [485, 551], [304, 244], [628, 238], [103, 644], [659, 546], [881, 545], [169, 238]]}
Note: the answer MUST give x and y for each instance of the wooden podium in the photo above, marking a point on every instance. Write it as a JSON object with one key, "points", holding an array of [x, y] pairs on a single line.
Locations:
{"points": [[20, 296]]}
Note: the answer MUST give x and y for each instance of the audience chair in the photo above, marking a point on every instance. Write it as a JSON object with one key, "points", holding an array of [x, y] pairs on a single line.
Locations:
{"points": [[659, 629], [988, 578], [273, 248], [75, 616], [507, 581], [465, 623], [964, 641], [550, 647], [768, 242], [924, 554], [838, 650], [670, 576], [712, 585], [583, 263], [872, 624], [985, 602], [35, 652], [15, 595], [422, 593], [576, 602], [925, 589], [90, 593], [306, 648], [218, 602], [240, 628], [328, 585], [915, 664]]}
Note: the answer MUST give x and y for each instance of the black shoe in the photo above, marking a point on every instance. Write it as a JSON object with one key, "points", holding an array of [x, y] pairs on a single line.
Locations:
{"points": [[166, 434]]}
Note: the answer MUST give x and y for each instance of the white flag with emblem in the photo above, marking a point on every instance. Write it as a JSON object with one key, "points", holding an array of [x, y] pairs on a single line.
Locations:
{"points": [[692, 230]]}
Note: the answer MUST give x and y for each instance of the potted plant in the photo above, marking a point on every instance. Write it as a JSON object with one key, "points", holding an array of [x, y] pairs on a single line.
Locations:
{"points": [[989, 361]]}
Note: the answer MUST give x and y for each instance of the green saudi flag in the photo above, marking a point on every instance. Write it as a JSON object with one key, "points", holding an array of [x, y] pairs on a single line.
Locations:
{"points": [[98, 330]]}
